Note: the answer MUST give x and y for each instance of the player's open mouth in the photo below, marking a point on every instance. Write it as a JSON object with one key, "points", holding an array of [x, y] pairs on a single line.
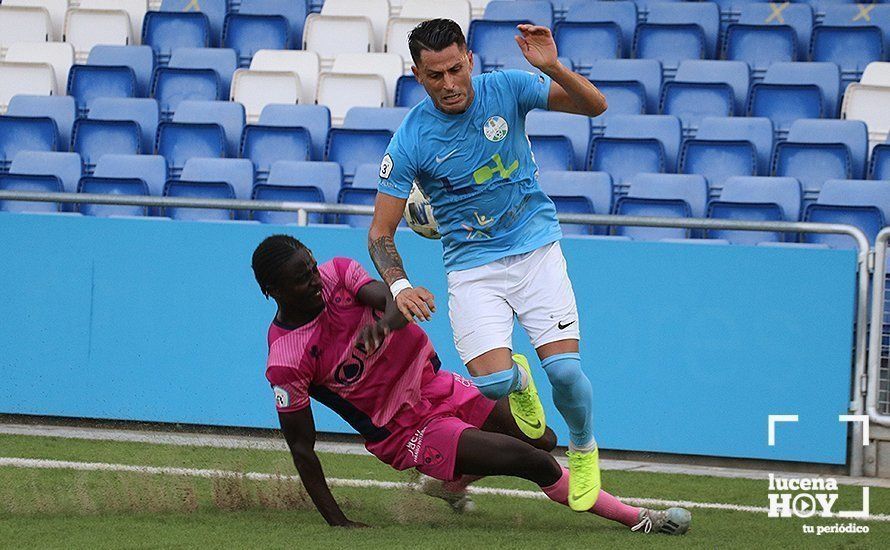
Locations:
{"points": [[451, 99]]}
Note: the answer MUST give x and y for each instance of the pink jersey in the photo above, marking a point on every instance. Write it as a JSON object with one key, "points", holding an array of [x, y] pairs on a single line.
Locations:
{"points": [[320, 359]]}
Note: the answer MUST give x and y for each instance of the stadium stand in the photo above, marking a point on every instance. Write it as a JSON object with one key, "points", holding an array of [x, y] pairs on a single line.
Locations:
{"points": [[152, 169], [326, 176], [351, 148], [646, 72], [718, 160], [61, 110], [493, 42], [853, 202], [178, 142], [756, 199], [65, 166], [25, 79], [238, 173], [168, 31], [264, 145], [173, 85], [58, 55], [330, 36], [757, 131], [734, 74], [55, 8], [662, 195], [86, 28], [314, 118], [376, 12], [214, 10], [247, 34], [851, 48], [142, 111], [304, 64], [704, 14], [86, 83], [583, 43], [139, 58], [112, 186], [792, 91], [797, 16], [199, 190], [387, 66], [619, 12], [38, 184], [552, 152], [229, 115], [293, 11], [341, 92], [863, 14], [23, 24], [94, 138], [25, 133], [303, 193], [595, 187], [670, 44], [760, 46], [574, 127], [135, 10], [256, 89], [223, 61]]}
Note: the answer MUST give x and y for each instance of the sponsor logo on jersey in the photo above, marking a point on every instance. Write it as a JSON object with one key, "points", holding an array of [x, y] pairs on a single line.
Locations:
{"points": [[486, 172]]}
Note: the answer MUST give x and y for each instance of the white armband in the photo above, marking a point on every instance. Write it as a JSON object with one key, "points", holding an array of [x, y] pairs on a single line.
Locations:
{"points": [[399, 286]]}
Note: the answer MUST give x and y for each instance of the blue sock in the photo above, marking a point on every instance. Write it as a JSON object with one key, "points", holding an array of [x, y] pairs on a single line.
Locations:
{"points": [[572, 395], [498, 384]]}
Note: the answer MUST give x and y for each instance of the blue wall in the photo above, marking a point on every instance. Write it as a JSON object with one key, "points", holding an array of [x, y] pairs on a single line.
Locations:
{"points": [[689, 348]]}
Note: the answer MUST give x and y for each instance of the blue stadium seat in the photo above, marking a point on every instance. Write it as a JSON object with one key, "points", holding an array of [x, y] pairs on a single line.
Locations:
{"points": [[704, 14], [315, 118], [172, 86], [645, 71], [552, 152], [575, 127], [180, 141], [867, 14], [785, 192], [365, 197], [760, 46], [867, 218], [294, 11], [626, 97], [821, 6], [664, 128], [663, 195], [215, 10], [199, 190], [375, 118], [88, 82], [139, 58], [537, 12], [693, 101], [584, 43], [734, 73], [595, 187], [65, 166], [366, 176], [623, 158], [622, 13], [327, 176], [791, 91], [745, 211], [228, 114], [112, 186], [857, 193], [795, 15], [852, 133], [247, 34], [812, 164], [493, 41], [222, 60], [59, 108], [152, 169], [25, 133], [670, 44], [353, 147], [265, 145], [166, 31], [758, 131], [718, 160], [409, 92], [573, 205], [279, 193], [236, 172], [31, 184], [851, 48], [879, 166], [94, 138], [659, 208], [143, 111]]}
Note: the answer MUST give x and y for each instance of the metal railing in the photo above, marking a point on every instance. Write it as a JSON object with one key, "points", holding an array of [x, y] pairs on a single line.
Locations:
{"points": [[864, 256], [878, 409]]}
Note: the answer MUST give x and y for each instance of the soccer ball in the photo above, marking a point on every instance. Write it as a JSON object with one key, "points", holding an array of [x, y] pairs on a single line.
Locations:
{"points": [[419, 214]]}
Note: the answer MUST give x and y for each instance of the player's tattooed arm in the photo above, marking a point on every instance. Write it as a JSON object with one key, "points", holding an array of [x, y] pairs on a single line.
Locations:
{"points": [[387, 259]]}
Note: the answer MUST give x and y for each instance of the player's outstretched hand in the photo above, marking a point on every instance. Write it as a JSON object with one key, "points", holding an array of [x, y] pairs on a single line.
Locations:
{"points": [[537, 46], [416, 303], [371, 337]]}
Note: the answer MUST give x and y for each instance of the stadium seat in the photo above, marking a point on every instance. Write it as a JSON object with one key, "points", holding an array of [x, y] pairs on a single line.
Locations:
{"points": [[493, 42], [785, 192], [733, 73], [152, 169], [59, 108], [798, 16], [94, 138], [386, 65], [301, 193], [366, 176], [857, 193], [172, 86], [792, 91], [867, 14], [757, 131], [623, 158], [645, 71], [256, 89], [625, 98], [718, 160], [375, 118], [331, 36], [659, 208], [315, 118], [477, 8], [264, 145], [31, 184], [180, 141], [812, 164], [670, 44], [326, 176], [23, 24], [749, 212], [573, 205], [341, 92], [692, 101], [167, 31], [214, 10], [65, 166], [876, 74], [199, 190], [458, 11], [86, 83], [135, 10], [139, 58], [621, 13], [552, 152], [397, 31], [112, 186], [537, 12], [704, 14], [409, 92], [596, 187], [228, 114], [760, 46], [364, 197], [305, 64], [24, 79], [851, 48], [85, 28], [376, 11], [663, 128], [238, 173], [26, 133], [222, 60], [293, 11], [247, 34], [350, 148], [868, 104], [58, 55], [855, 202], [55, 8], [143, 111], [551, 123], [879, 166], [852, 133], [663, 195], [584, 43]]}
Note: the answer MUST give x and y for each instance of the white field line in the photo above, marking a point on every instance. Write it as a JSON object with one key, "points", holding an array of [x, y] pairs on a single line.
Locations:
{"points": [[354, 483]]}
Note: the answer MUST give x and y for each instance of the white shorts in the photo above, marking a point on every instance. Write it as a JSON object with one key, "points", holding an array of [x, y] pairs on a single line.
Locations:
{"points": [[534, 287]]}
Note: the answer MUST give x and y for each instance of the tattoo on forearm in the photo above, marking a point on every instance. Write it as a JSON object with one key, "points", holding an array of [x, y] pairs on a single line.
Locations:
{"points": [[387, 260]]}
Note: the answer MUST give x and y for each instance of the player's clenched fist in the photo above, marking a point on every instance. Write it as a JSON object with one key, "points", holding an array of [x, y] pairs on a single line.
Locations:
{"points": [[416, 303]]}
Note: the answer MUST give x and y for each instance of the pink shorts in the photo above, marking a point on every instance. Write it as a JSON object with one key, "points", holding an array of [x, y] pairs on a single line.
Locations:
{"points": [[425, 436]]}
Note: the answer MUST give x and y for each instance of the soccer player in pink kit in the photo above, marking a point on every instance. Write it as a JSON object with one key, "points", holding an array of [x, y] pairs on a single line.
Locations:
{"points": [[338, 337]]}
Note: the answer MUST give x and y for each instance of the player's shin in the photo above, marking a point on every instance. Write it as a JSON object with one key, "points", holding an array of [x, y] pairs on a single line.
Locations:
{"points": [[606, 506], [573, 397]]}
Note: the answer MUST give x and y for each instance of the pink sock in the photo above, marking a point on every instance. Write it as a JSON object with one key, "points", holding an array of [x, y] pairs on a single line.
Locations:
{"points": [[606, 506], [460, 484]]}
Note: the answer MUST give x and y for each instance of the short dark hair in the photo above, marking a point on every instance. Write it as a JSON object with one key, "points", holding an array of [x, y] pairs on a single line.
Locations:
{"points": [[434, 35], [270, 255]]}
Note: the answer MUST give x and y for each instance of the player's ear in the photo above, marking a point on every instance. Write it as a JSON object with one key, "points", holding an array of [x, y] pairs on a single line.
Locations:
{"points": [[415, 72]]}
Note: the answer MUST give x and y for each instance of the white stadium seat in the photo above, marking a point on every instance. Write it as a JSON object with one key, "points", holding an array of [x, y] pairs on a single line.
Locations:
{"points": [[341, 92], [304, 64], [135, 10], [388, 66], [377, 11], [329, 36], [23, 25], [870, 104], [877, 73], [55, 8], [256, 89], [478, 7], [59, 55], [397, 38], [87, 28], [458, 11], [24, 78]]}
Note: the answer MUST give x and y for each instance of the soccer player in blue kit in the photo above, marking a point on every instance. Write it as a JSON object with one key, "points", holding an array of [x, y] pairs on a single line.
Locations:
{"points": [[466, 147]]}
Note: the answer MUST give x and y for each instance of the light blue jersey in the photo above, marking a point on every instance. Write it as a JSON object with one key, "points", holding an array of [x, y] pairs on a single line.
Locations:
{"points": [[478, 170]]}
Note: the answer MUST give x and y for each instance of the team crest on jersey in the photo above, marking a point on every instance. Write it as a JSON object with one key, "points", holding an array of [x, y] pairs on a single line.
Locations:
{"points": [[495, 129], [282, 398], [349, 371]]}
